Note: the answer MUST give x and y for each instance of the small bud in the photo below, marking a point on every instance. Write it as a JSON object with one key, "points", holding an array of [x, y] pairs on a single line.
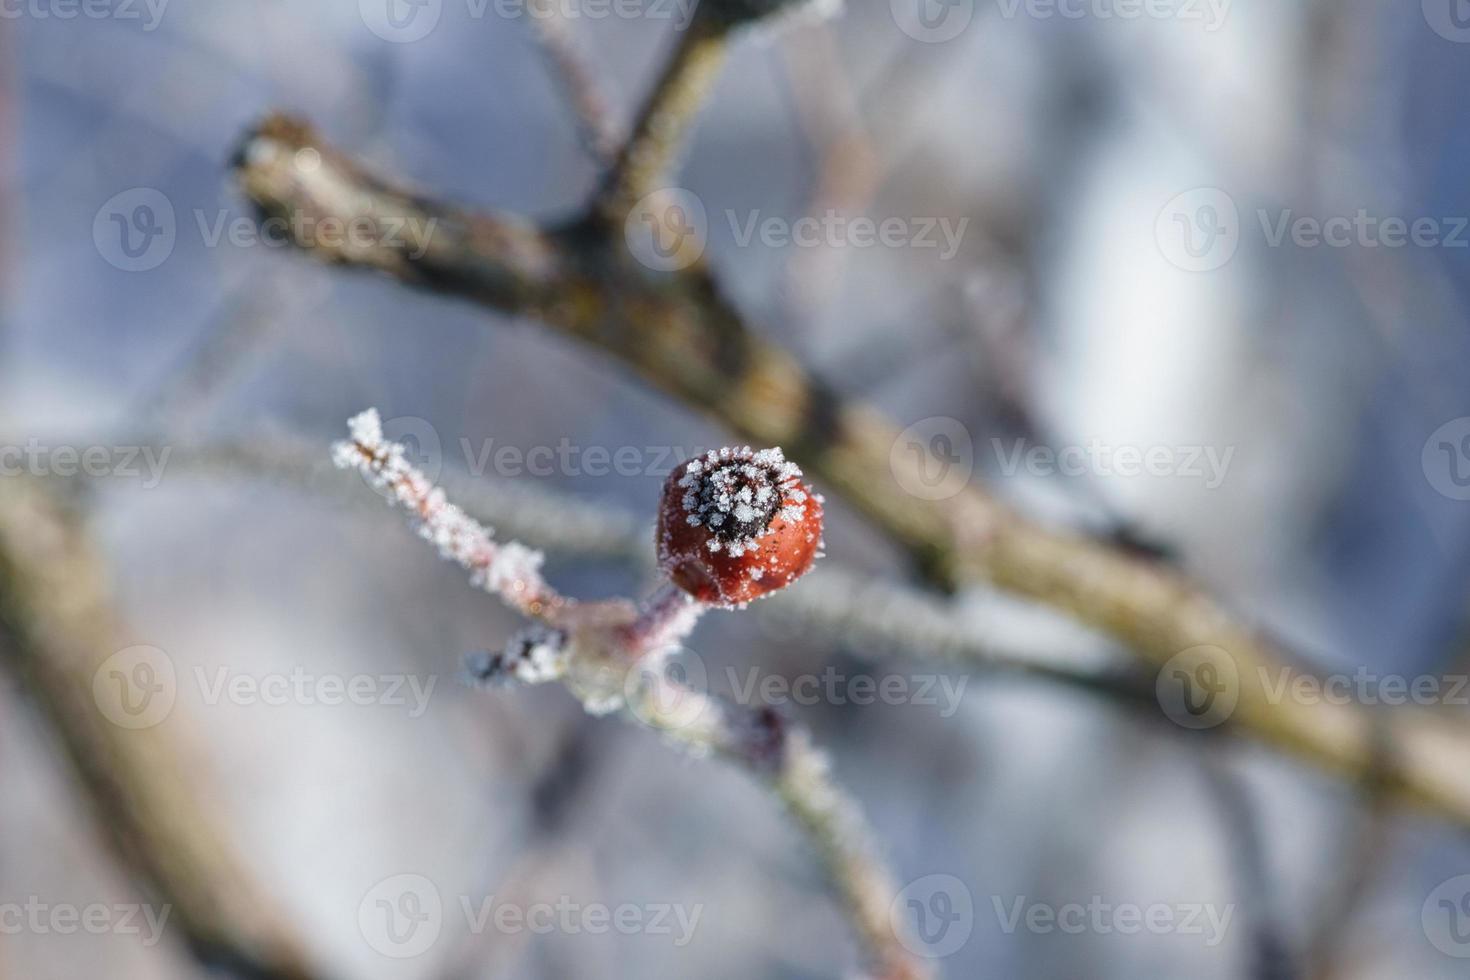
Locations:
{"points": [[735, 525]]}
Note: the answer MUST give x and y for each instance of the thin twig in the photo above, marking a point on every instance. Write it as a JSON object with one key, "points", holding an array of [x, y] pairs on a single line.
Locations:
{"points": [[660, 132], [600, 135]]}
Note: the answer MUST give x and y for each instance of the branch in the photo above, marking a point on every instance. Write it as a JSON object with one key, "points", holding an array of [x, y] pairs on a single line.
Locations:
{"points": [[611, 656], [661, 130], [56, 631], [599, 134], [835, 604], [680, 334]]}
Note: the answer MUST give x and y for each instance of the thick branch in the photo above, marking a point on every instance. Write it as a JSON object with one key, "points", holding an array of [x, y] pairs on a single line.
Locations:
{"points": [[56, 631], [678, 332]]}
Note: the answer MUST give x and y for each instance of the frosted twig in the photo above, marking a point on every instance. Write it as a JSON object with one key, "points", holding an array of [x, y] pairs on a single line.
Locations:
{"points": [[611, 655], [509, 570]]}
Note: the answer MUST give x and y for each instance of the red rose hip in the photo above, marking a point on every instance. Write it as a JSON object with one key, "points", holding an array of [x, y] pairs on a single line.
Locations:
{"points": [[737, 524]]}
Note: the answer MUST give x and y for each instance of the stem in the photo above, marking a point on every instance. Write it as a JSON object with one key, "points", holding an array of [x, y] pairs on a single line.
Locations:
{"points": [[661, 130]]}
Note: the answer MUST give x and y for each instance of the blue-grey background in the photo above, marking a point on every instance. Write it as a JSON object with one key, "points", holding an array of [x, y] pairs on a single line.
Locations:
{"points": [[1062, 140]]}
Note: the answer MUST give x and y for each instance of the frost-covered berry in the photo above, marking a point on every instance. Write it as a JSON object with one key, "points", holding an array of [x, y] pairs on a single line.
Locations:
{"points": [[737, 524]]}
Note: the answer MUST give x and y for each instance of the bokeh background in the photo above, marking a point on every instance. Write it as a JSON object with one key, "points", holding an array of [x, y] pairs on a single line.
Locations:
{"points": [[1080, 144]]}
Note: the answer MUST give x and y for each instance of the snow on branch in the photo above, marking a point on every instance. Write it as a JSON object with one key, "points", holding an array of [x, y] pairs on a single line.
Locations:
{"points": [[508, 570]]}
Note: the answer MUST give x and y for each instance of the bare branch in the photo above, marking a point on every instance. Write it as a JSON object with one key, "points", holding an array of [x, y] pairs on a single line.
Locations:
{"points": [[600, 135], [679, 333], [56, 632]]}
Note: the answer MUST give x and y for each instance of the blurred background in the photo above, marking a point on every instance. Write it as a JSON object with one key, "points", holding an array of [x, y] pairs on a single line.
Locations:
{"points": [[1232, 234]]}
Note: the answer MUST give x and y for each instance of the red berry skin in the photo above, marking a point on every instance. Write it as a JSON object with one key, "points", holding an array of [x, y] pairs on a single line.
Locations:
{"points": [[778, 550]]}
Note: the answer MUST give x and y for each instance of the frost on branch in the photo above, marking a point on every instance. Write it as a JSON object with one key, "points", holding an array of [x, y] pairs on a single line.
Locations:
{"points": [[509, 570], [535, 655]]}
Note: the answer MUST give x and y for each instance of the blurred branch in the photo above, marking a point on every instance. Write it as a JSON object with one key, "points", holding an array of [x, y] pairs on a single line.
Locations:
{"points": [[680, 333], [599, 133], [661, 129], [56, 631]]}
